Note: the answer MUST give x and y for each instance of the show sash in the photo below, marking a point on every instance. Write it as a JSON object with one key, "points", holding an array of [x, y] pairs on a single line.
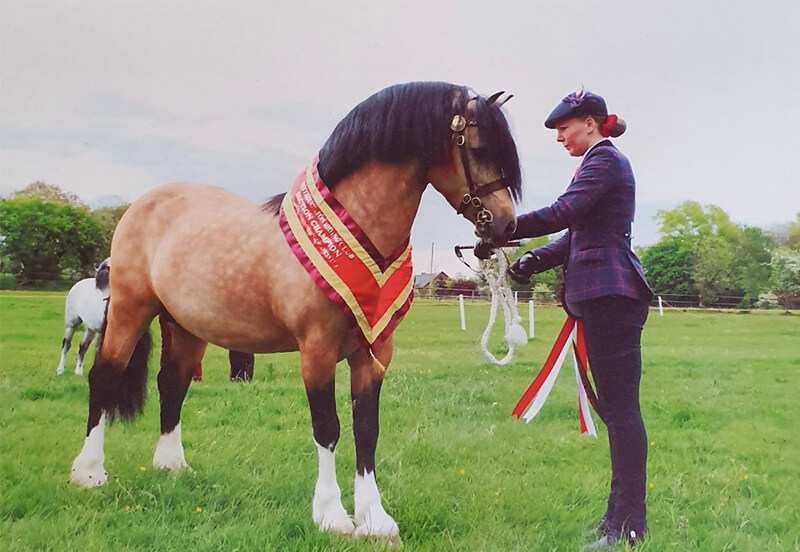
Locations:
{"points": [[374, 291], [570, 337]]}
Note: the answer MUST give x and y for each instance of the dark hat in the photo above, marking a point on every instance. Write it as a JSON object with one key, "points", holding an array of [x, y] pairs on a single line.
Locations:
{"points": [[577, 104]]}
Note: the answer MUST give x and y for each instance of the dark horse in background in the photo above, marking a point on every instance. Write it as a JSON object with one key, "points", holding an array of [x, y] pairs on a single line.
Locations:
{"points": [[219, 270]]}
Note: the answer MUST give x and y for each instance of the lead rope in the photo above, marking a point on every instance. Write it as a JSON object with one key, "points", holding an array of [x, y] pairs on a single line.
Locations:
{"points": [[495, 273]]}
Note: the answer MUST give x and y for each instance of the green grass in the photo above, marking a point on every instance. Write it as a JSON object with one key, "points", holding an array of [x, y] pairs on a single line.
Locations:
{"points": [[455, 470]]}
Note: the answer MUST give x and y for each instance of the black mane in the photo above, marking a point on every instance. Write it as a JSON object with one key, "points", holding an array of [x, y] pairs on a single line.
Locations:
{"points": [[412, 121], [101, 277]]}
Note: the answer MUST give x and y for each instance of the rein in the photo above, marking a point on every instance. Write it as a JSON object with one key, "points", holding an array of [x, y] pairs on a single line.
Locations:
{"points": [[460, 255]]}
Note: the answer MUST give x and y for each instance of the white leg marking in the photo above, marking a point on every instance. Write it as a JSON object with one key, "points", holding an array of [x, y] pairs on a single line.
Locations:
{"points": [[370, 517], [65, 345], [169, 451], [86, 342], [87, 468], [327, 509]]}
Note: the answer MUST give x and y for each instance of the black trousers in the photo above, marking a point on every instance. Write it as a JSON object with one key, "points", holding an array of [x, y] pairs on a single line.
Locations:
{"points": [[613, 330]]}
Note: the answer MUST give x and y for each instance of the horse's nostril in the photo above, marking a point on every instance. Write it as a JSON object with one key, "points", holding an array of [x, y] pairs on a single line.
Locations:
{"points": [[510, 229]]}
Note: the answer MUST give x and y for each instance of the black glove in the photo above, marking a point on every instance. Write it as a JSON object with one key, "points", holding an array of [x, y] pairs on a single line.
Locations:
{"points": [[523, 268], [483, 250]]}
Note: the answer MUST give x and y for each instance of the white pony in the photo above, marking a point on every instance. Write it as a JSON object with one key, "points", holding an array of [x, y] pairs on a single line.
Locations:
{"points": [[86, 302]]}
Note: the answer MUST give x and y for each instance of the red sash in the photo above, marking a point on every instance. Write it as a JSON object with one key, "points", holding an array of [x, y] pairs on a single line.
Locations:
{"points": [[375, 291]]}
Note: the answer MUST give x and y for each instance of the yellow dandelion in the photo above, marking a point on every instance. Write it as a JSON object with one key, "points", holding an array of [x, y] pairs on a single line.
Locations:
{"points": [[142, 468], [652, 443], [462, 471], [651, 485], [745, 477], [198, 509]]}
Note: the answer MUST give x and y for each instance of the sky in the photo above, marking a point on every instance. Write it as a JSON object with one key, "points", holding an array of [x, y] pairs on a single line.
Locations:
{"points": [[110, 99]]}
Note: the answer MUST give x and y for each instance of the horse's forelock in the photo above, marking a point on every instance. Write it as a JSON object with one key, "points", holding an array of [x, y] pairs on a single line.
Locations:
{"points": [[503, 147]]}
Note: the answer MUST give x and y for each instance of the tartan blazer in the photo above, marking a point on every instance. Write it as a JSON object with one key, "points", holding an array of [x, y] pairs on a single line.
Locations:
{"points": [[597, 210]]}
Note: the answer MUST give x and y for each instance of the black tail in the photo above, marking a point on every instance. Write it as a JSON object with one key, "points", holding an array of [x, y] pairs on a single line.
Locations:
{"points": [[121, 395]]}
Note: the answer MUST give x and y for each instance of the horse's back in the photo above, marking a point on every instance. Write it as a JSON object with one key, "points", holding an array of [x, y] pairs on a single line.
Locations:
{"points": [[85, 303], [164, 214], [169, 204]]}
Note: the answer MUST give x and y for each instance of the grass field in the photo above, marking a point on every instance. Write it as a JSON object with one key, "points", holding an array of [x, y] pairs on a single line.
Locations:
{"points": [[456, 471]]}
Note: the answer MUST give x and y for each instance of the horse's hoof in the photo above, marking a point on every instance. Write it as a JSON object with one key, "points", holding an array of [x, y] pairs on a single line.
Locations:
{"points": [[379, 527], [169, 452], [89, 474], [341, 525], [172, 465], [393, 542], [332, 517]]}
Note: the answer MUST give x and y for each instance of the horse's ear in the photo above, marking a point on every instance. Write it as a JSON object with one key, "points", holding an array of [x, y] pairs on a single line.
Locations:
{"points": [[493, 98], [502, 102]]}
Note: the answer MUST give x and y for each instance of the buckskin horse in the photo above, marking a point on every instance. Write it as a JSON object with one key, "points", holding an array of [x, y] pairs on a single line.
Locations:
{"points": [[220, 269]]}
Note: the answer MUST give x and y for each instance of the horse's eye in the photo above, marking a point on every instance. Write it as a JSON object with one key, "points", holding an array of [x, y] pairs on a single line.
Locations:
{"points": [[481, 154]]}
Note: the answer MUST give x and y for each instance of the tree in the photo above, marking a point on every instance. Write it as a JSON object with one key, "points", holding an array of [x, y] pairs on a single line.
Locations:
{"points": [[669, 267], [726, 258], [42, 238], [752, 261], [784, 280], [108, 218], [549, 279], [793, 238], [49, 193], [713, 271], [690, 221]]}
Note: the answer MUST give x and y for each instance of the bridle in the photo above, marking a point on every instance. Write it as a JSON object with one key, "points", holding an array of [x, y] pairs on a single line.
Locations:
{"points": [[484, 217]]}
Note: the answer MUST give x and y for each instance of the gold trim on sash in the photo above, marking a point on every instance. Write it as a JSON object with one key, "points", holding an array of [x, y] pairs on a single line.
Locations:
{"points": [[350, 239]]}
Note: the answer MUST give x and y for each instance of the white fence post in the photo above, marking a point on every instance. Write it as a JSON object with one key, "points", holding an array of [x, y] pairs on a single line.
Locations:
{"points": [[660, 307], [461, 307], [530, 318]]}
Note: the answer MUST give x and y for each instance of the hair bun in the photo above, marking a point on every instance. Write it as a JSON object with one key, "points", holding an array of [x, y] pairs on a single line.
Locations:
{"points": [[619, 128]]}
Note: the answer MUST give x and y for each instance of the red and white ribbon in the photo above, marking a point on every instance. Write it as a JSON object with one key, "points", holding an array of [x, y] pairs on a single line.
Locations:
{"points": [[570, 337]]}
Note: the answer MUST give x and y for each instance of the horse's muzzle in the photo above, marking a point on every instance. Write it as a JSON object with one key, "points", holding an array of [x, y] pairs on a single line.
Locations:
{"points": [[497, 232]]}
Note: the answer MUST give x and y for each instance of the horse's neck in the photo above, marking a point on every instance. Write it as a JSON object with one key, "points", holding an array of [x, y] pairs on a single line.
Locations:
{"points": [[383, 198]]}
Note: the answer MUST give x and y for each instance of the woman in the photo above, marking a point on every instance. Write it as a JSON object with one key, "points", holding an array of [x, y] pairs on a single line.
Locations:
{"points": [[605, 287]]}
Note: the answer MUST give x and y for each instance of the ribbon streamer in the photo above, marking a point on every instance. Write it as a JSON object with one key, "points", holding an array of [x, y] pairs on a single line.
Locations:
{"points": [[570, 337]]}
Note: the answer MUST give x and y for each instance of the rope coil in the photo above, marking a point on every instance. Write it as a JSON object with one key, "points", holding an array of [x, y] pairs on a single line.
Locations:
{"points": [[494, 270]]}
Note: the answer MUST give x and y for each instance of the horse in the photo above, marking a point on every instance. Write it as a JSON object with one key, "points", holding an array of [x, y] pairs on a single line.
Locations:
{"points": [[242, 365], [219, 269], [86, 303]]}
